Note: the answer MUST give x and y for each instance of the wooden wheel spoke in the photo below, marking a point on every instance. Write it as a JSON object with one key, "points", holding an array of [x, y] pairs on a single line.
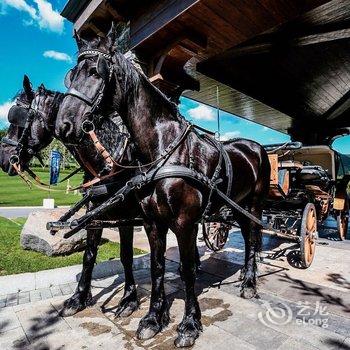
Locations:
{"points": [[307, 235]]}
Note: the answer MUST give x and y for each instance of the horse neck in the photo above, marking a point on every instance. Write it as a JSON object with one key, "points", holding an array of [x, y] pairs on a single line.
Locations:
{"points": [[151, 124]]}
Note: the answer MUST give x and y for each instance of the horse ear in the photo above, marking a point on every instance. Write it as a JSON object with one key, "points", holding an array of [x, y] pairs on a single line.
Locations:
{"points": [[112, 36], [42, 87], [80, 41], [27, 87], [102, 68]]}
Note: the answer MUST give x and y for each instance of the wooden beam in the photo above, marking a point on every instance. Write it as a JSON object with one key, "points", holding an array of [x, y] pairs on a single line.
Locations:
{"points": [[271, 41], [154, 19], [86, 14], [338, 108], [117, 16]]}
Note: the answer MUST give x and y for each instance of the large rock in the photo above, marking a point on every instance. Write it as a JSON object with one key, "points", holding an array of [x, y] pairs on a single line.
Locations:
{"points": [[34, 235]]}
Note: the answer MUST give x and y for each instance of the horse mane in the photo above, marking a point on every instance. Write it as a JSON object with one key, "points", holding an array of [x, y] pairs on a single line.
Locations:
{"points": [[56, 102], [135, 77], [19, 95]]}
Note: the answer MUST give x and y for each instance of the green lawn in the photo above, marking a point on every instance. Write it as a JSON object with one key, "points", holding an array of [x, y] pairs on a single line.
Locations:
{"points": [[14, 192], [13, 259]]}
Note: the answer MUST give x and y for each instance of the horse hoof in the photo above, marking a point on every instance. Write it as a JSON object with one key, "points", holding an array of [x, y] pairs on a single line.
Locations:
{"points": [[146, 333], [183, 341], [188, 332], [248, 292], [126, 309], [148, 328], [74, 304]]}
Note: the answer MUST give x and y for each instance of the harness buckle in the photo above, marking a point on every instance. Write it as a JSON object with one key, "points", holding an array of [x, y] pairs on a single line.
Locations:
{"points": [[14, 159], [87, 126]]}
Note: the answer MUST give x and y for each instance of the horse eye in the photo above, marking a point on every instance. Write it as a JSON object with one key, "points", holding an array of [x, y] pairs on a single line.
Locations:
{"points": [[92, 71]]}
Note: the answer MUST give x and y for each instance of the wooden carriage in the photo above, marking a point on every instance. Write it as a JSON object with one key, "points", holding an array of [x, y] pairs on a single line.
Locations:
{"points": [[307, 184]]}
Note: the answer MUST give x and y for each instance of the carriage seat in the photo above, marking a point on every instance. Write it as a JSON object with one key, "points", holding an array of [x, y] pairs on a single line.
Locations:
{"points": [[313, 175]]}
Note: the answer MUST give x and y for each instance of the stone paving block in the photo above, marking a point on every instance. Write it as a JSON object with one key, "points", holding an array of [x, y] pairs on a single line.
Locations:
{"points": [[56, 291], [40, 321], [45, 293], [23, 298], [254, 333], [220, 268], [73, 285], [223, 340], [66, 289], [8, 320], [294, 344], [12, 299], [35, 295], [13, 339]]}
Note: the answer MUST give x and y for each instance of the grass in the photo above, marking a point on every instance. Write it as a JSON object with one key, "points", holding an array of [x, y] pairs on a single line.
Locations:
{"points": [[13, 259], [14, 192]]}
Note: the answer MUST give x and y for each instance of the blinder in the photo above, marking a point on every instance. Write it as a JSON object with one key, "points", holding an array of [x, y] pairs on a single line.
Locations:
{"points": [[102, 68], [17, 116]]}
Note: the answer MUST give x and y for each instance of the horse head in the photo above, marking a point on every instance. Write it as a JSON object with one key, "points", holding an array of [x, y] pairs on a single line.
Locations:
{"points": [[31, 127], [17, 117], [94, 85]]}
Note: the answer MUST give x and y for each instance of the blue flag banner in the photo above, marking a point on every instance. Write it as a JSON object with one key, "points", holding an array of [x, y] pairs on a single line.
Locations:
{"points": [[55, 167]]}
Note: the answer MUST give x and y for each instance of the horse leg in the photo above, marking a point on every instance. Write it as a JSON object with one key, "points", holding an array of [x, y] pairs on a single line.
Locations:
{"points": [[158, 315], [252, 236], [128, 303], [190, 326], [82, 296]]}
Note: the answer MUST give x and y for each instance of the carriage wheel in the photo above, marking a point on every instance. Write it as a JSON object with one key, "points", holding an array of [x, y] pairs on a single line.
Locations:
{"points": [[215, 235], [343, 221], [308, 235]]}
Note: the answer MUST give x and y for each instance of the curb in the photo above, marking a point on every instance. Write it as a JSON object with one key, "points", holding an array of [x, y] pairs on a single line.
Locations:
{"points": [[30, 281]]}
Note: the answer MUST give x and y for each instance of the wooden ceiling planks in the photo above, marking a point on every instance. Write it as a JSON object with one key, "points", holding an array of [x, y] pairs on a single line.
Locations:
{"points": [[233, 101], [303, 77]]}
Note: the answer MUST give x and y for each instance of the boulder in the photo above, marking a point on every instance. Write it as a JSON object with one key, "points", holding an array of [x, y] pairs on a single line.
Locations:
{"points": [[35, 236]]}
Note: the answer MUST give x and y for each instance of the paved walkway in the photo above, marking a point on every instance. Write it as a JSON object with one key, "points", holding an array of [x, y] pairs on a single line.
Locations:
{"points": [[296, 309], [18, 212]]}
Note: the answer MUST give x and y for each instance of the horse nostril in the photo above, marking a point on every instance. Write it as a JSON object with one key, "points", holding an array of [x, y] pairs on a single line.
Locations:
{"points": [[66, 129]]}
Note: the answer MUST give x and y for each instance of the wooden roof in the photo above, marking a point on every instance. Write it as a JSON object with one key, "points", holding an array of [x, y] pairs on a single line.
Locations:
{"points": [[301, 68], [276, 62]]}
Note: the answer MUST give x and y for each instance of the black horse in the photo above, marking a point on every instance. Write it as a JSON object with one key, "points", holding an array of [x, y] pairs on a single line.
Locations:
{"points": [[102, 82], [41, 109]]}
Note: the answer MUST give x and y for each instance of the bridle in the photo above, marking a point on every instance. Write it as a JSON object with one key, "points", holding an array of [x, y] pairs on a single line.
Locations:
{"points": [[22, 145], [88, 126], [14, 159], [95, 102]]}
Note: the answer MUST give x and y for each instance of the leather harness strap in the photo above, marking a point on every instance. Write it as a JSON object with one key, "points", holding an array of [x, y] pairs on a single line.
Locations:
{"points": [[101, 149], [227, 161], [140, 181]]}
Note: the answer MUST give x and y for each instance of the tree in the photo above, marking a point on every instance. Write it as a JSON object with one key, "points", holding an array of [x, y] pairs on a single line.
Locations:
{"points": [[3, 132]]}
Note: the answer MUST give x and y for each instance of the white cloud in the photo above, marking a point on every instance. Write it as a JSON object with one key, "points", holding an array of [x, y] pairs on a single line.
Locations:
{"points": [[4, 110], [20, 5], [48, 17], [202, 112], [44, 15], [59, 56], [230, 135]]}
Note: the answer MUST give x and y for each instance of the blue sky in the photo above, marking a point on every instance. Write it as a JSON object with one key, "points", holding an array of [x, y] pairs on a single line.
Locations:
{"points": [[36, 41]]}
